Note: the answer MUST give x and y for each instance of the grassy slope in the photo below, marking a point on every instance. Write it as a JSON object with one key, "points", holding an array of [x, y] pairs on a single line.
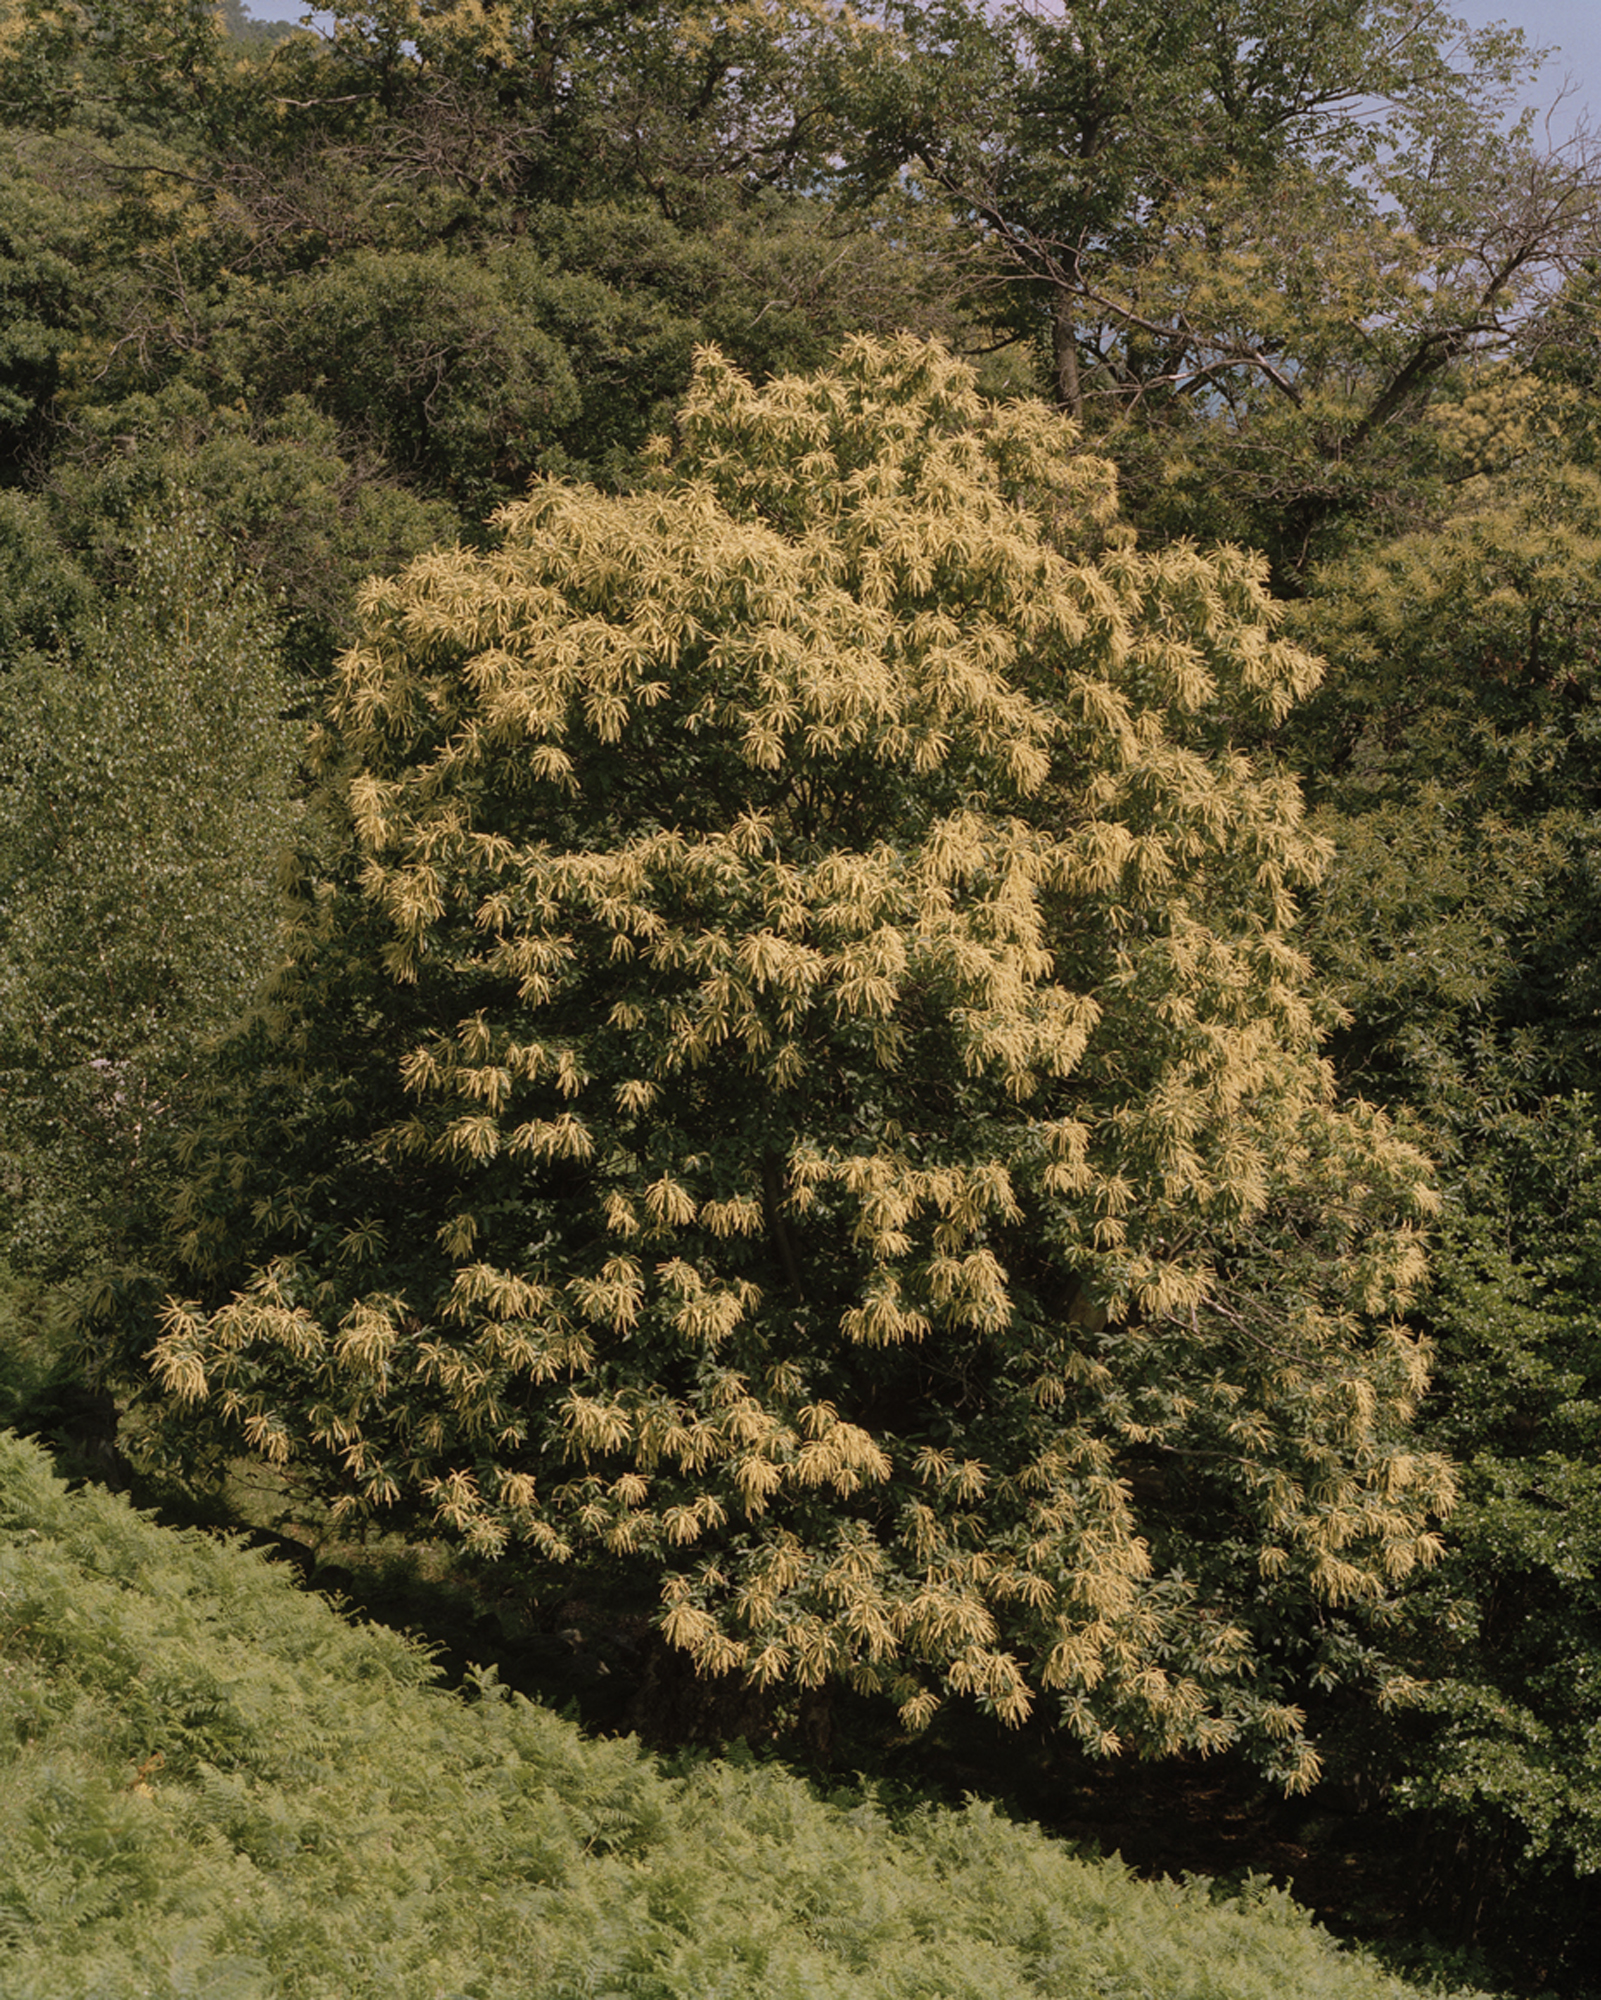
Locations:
{"points": [[214, 1785]]}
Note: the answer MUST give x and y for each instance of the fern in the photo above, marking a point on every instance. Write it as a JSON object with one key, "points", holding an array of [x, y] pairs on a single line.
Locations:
{"points": [[215, 1785]]}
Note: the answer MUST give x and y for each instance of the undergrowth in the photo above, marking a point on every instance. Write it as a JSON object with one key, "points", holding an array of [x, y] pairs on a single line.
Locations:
{"points": [[214, 1785]]}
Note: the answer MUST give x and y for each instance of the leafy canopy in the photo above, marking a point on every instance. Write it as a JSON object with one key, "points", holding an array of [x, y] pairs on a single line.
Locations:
{"points": [[145, 798], [803, 1079], [1457, 746], [1251, 242]]}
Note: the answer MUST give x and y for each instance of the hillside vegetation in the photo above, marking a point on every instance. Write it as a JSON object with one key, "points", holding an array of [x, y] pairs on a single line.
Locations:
{"points": [[223, 1787], [798, 834]]}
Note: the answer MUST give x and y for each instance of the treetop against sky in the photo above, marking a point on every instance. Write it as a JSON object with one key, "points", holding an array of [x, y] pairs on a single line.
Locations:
{"points": [[1570, 28]]}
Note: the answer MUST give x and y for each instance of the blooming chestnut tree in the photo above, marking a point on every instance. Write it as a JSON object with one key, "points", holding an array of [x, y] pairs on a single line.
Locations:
{"points": [[799, 1071]]}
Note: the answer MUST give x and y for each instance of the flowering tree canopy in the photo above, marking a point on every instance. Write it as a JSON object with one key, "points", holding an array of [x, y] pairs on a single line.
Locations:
{"points": [[799, 1071]]}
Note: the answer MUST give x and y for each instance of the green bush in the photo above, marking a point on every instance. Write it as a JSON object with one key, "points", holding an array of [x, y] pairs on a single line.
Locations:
{"points": [[216, 1785]]}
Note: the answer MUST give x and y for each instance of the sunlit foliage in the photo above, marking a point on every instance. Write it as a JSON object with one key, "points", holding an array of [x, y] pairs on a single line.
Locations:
{"points": [[838, 1109]]}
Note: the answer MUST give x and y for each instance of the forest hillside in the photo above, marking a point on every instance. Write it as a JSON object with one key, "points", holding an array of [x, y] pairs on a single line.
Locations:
{"points": [[798, 860], [218, 1785]]}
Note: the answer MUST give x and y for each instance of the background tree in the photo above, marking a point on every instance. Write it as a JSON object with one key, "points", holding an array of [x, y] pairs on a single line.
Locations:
{"points": [[145, 795], [1454, 753], [1251, 242], [429, 254]]}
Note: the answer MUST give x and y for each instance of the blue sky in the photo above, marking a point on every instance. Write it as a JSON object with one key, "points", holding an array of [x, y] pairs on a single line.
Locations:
{"points": [[1574, 26]]}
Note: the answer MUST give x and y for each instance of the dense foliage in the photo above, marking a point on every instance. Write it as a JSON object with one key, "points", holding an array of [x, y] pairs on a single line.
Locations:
{"points": [[280, 311], [1254, 243], [144, 807], [1458, 781], [219, 1785], [841, 1101]]}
